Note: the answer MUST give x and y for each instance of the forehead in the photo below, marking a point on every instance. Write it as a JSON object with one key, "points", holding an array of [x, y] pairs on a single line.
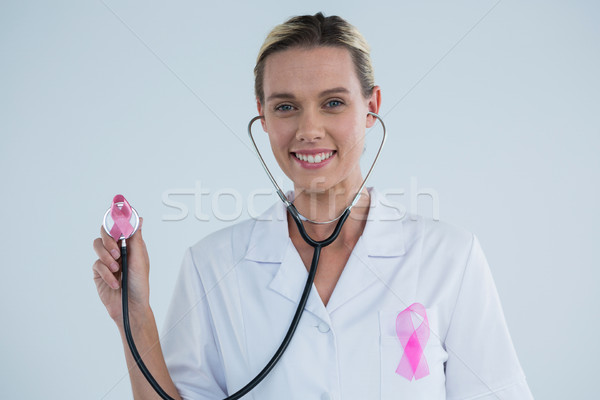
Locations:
{"points": [[307, 71]]}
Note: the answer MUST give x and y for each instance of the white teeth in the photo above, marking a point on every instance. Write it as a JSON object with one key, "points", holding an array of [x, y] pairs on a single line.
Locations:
{"points": [[313, 159]]}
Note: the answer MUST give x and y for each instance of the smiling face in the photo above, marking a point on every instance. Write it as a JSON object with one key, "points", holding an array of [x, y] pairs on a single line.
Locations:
{"points": [[316, 116]]}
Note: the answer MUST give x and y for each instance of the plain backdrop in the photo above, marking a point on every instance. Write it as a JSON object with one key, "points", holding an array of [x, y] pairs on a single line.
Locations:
{"points": [[491, 106]]}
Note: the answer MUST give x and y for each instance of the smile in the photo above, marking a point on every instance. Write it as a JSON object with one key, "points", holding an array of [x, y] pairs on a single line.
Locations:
{"points": [[313, 158]]}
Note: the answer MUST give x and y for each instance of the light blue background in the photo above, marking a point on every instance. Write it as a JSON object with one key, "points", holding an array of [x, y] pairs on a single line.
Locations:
{"points": [[494, 105]]}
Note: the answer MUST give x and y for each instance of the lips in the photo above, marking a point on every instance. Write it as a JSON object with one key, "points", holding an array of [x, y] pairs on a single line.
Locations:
{"points": [[314, 158]]}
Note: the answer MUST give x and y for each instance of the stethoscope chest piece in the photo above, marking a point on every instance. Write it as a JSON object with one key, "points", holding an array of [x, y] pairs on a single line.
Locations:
{"points": [[121, 220]]}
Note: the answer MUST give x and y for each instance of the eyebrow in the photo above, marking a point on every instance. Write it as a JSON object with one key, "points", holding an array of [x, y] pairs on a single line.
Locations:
{"points": [[322, 94]]}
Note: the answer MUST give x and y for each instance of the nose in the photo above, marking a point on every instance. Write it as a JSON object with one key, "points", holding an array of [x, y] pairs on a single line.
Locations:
{"points": [[310, 128]]}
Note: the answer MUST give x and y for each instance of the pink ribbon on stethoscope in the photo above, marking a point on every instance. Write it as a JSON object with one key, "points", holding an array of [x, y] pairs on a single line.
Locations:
{"points": [[121, 217], [413, 363]]}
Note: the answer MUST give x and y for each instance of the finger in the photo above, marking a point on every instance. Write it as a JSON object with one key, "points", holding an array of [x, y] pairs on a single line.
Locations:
{"points": [[104, 256], [107, 276], [109, 243]]}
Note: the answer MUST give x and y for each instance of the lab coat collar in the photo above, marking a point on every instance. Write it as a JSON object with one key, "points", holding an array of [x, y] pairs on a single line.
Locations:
{"points": [[270, 236], [383, 234], [382, 237]]}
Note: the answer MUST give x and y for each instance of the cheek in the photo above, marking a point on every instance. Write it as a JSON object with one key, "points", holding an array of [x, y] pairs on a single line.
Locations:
{"points": [[280, 136], [351, 137], [354, 150], [279, 146]]}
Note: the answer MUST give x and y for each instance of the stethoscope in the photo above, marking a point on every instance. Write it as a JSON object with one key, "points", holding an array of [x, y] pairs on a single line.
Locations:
{"points": [[121, 213]]}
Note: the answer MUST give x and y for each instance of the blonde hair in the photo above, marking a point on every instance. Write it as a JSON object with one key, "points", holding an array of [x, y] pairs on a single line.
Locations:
{"points": [[308, 31]]}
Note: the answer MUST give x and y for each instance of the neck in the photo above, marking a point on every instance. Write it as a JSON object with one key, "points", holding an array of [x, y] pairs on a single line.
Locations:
{"points": [[325, 206]]}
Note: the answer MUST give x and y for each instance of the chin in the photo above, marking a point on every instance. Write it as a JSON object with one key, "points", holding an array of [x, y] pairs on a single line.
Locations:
{"points": [[317, 185]]}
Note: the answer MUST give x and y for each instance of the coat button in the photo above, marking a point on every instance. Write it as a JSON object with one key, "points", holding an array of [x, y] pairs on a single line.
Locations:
{"points": [[325, 396], [323, 328]]}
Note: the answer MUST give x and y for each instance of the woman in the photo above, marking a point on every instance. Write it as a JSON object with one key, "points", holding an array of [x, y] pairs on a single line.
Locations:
{"points": [[403, 308]]}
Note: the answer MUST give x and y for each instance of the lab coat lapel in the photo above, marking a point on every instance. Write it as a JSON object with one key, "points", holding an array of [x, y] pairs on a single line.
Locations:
{"points": [[358, 274], [291, 279], [380, 246], [372, 259], [269, 237], [270, 243]]}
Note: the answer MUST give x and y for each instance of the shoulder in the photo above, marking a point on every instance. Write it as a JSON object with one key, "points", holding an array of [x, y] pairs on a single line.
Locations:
{"points": [[211, 259], [413, 231], [438, 231], [438, 239]]}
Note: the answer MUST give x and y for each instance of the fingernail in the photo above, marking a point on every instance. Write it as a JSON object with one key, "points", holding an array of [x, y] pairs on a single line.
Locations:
{"points": [[114, 267], [115, 285], [115, 254]]}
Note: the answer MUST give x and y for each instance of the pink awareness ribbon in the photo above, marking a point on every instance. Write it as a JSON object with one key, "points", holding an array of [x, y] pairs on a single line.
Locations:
{"points": [[121, 218], [413, 363]]}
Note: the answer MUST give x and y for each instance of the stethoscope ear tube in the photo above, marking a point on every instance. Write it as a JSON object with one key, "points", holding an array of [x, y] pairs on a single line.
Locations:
{"points": [[280, 192]]}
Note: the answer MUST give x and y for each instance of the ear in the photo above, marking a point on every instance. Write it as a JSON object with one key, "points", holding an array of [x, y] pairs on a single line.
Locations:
{"points": [[260, 110], [373, 104]]}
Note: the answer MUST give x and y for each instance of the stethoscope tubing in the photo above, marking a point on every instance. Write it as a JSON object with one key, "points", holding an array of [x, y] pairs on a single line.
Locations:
{"points": [[317, 245], [127, 327]]}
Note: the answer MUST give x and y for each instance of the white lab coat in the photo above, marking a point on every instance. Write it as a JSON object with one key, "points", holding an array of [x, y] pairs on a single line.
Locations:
{"points": [[238, 289]]}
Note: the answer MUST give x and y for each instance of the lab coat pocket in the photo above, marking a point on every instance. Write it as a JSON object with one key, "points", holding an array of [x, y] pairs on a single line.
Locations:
{"points": [[412, 355]]}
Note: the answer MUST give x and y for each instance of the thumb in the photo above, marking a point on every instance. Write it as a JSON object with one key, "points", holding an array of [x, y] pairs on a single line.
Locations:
{"points": [[136, 244], [137, 236]]}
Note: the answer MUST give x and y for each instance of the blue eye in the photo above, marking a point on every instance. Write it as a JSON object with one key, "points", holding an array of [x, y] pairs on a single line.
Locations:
{"points": [[334, 103], [284, 107]]}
